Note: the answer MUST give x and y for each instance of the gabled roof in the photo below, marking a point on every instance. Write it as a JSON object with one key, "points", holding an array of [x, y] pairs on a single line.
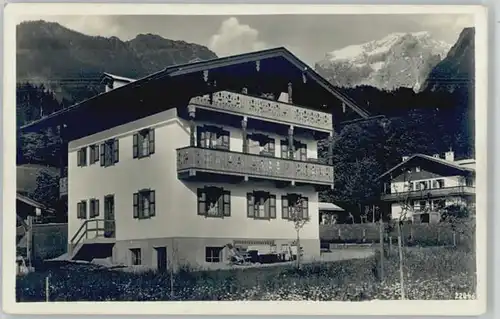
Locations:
{"points": [[32, 203], [329, 207], [271, 57], [430, 159]]}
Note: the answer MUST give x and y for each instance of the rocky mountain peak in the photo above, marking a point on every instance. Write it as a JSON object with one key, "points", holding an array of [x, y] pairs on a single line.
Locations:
{"points": [[397, 60]]}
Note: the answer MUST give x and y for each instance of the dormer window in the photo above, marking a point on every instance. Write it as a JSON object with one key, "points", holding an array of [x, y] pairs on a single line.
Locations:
{"points": [[213, 137]]}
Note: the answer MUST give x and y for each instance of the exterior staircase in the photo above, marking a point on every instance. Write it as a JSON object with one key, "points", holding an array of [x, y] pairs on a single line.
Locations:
{"points": [[94, 239]]}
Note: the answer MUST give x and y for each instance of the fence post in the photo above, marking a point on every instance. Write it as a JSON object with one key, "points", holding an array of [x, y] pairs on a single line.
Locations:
{"points": [[390, 243], [47, 292], [381, 235], [454, 239], [364, 235], [439, 235]]}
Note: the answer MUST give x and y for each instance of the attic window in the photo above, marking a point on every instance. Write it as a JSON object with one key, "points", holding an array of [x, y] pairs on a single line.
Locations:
{"points": [[417, 169]]}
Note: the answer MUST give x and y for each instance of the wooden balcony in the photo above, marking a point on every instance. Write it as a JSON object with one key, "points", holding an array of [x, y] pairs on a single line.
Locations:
{"points": [[192, 161], [63, 186], [433, 192], [264, 109]]}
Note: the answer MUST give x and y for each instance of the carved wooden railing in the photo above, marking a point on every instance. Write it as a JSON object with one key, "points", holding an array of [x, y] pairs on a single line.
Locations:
{"points": [[435, 192], [92, 228], [63, 186], [235, 163], [266, 109]]}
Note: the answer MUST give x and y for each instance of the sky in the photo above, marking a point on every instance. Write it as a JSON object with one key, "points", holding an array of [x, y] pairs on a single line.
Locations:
{"points": [[309, 37]]}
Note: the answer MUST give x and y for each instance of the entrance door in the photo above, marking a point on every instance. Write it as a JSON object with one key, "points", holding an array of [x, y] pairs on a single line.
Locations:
{"points": [[109, 216], [161, 259]]}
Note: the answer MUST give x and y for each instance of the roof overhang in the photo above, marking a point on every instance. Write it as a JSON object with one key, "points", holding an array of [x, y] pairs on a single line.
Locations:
{"points": [[269, 70]]}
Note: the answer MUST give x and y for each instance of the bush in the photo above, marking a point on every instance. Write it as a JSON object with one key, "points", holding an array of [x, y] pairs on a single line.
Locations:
{"points": [[430, 273]]}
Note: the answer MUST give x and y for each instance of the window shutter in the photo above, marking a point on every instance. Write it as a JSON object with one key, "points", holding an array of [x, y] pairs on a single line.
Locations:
{"points": [[102, 154], [227, 203], [284, 207], [96, 153], [303, 152], [225, 140], [152, 141], [213, 139], [96, 211], [220, 204], [152, 203], [305, 207], [92, 154], [284, 149], [271, 147], [250, 205], [116, 151], [272, 206], [79, 210], [201, 202], [136, 205], [79, 158], [84, 209], [267, 204], [201, 137], [135, 146]]}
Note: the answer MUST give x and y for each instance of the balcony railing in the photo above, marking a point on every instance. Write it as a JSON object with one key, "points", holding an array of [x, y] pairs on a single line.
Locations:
{"points": [[63, 186], [252, 165], [274, 111], [433, 192]]}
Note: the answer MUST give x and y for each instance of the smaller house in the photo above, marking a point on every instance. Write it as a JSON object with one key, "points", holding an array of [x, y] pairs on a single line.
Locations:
{"points": [[329, 213], [422, 186], [114, 81]]}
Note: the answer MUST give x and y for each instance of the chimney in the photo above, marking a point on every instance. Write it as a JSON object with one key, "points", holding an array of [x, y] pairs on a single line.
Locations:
{"points": [[405, 158], [449, 156]]}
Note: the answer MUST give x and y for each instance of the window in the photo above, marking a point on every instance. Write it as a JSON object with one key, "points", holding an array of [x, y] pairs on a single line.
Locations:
{"points": [[109, 152], [417, 169], [214, 202], [94, 154], [81, 209], [135, 253], [82, 157], [261, 205], [422, 185], [292, 204], [284, 149], [300, 150], [94, 208], [261, 144], [438, 183], [144, 204], [144, 143], [213, 137], [213, 254], [469, 181]]}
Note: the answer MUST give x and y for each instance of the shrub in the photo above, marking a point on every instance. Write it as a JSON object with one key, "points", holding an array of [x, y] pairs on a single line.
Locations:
{"points": [[430, 273]]}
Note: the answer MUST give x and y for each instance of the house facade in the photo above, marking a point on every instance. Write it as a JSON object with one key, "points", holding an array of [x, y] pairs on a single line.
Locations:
{"points": [[180, 167], [422, 186]]}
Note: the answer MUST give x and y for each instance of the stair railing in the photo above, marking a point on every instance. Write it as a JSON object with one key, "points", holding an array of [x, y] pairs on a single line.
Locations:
{"points": [[84, 230]]}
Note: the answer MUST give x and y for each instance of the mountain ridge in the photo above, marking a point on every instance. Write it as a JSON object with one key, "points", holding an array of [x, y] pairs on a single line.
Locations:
{"points": [[71, 63], [396, 60]]}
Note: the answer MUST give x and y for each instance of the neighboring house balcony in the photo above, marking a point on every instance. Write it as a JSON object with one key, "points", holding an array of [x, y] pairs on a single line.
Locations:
{"points": [[264, 109], [195, 163], [433, 192]]}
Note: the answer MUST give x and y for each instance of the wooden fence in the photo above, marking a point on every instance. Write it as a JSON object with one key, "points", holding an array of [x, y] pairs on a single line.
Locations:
{"points": [[418, 234]]}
